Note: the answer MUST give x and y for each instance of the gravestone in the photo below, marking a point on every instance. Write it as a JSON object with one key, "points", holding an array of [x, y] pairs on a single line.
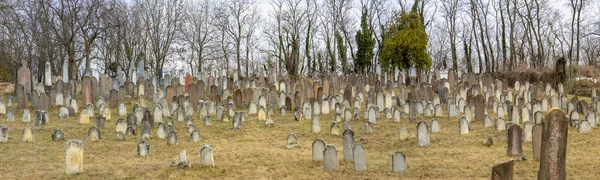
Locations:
{"points": [[422, 134], [463, 125], [94, 134], [334, 129], [330, 158], [26, 116], [292, 141], [537, 141], [348, 141], [499, 124], [74, 157], [514, 140], [206, 156], [160, 131], [87, 96], [479, 107], [315, 124], [10, 116], [398, 162], [435, 126], [146, 130], [143, 148], [172, 138], [3, 134], [58, 135], [195, 135], [28, 134], [527, 131], [584, 127], [372, 115], [318, 146], [503, 171], [360, 163], [554, 146], [100, 121]]}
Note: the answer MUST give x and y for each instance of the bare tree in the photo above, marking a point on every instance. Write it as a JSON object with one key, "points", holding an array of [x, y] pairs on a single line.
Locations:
{"points": [[200, 33], [450, 10], [243, 14], [162, 20]]}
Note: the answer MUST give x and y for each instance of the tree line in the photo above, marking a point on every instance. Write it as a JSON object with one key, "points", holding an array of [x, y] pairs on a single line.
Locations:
{"points": [[295, 37]]}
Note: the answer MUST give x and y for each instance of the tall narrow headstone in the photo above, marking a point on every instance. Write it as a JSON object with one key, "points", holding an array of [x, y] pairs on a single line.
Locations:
{"points": [[514, 140], [553, 159], [348, 141]]}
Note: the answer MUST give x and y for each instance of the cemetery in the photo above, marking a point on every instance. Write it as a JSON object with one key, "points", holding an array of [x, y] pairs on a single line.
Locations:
{"points": [[154, 128], [299, 89]]}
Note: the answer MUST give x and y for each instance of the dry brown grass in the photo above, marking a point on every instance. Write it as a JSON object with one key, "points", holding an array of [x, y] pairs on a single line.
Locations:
{"points": [[258, 152]]}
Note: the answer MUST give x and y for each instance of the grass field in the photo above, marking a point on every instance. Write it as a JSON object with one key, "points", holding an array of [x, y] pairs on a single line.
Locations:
{"points": [[259, 152]]}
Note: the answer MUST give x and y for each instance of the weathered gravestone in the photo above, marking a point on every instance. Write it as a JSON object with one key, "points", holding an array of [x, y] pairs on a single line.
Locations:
{"points": [[292, 141], [514, 140], [330, 158], [74, 157], [318, 146], [206, 156], [537, 141], [348, 141], [143, 148], [463, 125], [360, 163], [554, 146], [94, 134], [3, 134], [503, 171], [398, 162], [422, 134]]}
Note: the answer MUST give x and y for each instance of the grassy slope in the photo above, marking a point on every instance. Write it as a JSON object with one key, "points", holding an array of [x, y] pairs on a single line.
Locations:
{"points": [[258, 152]]}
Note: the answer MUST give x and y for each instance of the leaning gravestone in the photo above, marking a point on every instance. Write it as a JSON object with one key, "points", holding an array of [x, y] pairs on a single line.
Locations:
{"points": [[74, 157], [503, 170], [398, 162], [348, 141], [330, 158], [422, 134], [318, 147]]}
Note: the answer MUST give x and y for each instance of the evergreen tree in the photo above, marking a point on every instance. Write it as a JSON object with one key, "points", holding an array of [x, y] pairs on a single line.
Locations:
{"points": [[365, 42], [405, 43]]}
